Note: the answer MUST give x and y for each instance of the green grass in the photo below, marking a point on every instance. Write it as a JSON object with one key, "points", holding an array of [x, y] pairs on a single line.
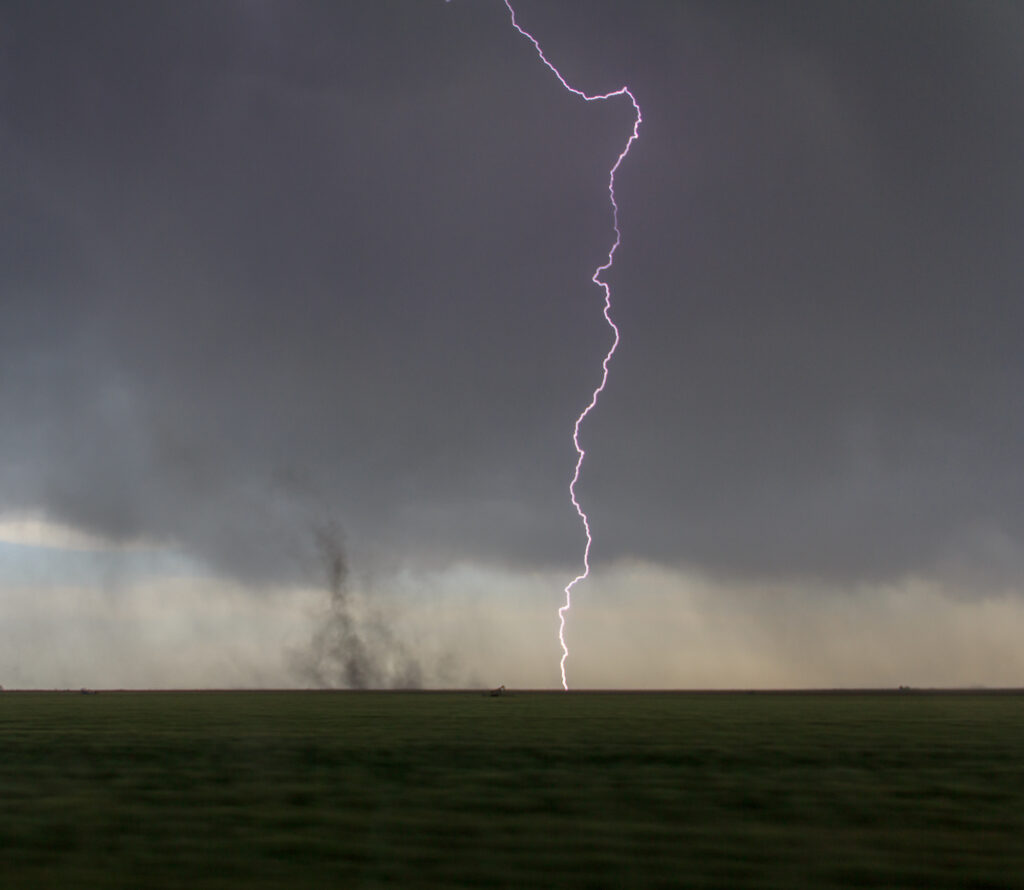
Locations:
{"points": [[211, 790]]}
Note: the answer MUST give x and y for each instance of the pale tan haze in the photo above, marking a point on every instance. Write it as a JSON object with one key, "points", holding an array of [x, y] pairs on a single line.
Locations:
{"points": [[632, 626]]}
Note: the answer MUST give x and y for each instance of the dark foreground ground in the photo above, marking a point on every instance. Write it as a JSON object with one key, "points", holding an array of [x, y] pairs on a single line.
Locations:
{"points": [[254, 790]]}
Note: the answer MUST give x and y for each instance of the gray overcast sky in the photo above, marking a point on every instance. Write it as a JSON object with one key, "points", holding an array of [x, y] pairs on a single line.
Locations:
{"points": [[268, 264]]}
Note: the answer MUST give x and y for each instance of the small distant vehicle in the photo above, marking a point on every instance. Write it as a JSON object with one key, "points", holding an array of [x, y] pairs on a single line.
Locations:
{"points": [[494, 693]]}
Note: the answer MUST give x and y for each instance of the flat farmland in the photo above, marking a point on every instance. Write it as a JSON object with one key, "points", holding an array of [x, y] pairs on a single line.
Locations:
{"points": [[318, 789]]}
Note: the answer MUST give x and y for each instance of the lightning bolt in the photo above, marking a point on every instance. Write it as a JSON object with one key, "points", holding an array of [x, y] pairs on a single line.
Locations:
{"points": [[601, 283]]}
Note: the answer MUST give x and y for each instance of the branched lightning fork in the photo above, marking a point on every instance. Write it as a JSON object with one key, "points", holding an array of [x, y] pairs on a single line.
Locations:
{"points": [[600, 282]]}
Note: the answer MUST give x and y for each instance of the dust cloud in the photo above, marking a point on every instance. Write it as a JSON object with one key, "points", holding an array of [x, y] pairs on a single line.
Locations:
{"points": [[353, 645]]}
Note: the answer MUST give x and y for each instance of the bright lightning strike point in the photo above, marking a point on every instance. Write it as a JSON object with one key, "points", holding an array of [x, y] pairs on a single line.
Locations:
{"points": [[601, 283]]}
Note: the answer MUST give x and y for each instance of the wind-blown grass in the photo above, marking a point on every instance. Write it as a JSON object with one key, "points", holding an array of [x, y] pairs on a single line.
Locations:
{"points": [[213, 790]]}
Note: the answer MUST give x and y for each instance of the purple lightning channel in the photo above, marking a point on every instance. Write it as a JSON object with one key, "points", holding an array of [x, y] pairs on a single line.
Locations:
{"points": [[601, 283]]}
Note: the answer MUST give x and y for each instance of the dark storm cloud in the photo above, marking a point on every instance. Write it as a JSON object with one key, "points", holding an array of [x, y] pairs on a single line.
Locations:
{"points": [[264, 263], [829, 307]]}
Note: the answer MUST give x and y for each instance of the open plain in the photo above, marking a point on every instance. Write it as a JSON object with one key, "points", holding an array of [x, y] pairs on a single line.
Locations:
{"points": [[317, 789]]}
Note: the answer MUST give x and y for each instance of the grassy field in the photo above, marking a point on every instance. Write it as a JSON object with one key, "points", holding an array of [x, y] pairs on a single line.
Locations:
{"points": [[263, 789]]}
